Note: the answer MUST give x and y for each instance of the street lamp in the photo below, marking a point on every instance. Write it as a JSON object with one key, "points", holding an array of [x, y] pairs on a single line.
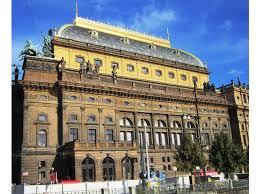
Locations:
{"points": [[198, 172], [174, 168]]}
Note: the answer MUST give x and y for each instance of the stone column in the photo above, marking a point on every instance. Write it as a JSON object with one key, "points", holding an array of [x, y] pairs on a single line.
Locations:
{"points": [[117, 126], [211, 131], [65, 125], [78, 174], [153, 129], [136, 138], [100, 133], [82, 128], [169, 130]]}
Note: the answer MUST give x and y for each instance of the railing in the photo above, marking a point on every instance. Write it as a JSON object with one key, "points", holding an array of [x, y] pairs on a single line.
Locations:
{"points": [[104, 145], [203, 187]]}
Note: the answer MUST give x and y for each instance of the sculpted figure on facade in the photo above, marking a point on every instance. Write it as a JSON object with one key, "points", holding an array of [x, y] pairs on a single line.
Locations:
{"points": [[29, 50], [47, 49]]}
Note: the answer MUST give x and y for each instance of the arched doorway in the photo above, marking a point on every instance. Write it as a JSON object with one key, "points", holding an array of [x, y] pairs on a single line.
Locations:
{"points": [[127, 168], [88, 170], [108, 169]]}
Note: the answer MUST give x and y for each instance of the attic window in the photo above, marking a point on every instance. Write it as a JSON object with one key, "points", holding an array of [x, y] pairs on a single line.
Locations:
{"points": [[176, 52], [125, 40], [152, 47], [93, 33]]}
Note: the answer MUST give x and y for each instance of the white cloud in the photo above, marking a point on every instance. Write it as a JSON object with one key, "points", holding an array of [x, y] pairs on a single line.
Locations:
{"points": [[151, 18], [235, 73], [227, 25]]}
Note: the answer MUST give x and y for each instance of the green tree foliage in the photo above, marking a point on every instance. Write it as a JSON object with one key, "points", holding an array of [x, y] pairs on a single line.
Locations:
{"points": [[225, 156], [189, 155]]}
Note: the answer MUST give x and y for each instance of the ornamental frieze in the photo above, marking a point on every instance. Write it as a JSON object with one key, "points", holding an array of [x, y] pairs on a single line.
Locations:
{"points": [[40, 97], [41, 66]]}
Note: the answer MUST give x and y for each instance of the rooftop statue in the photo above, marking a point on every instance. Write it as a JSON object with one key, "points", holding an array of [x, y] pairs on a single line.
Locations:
{"points": [[29, 50], [47, 48], [114, 72]]}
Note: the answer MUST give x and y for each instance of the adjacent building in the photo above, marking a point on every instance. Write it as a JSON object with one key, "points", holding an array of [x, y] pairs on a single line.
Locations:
{"points": [[87, 111], [238, 97]]}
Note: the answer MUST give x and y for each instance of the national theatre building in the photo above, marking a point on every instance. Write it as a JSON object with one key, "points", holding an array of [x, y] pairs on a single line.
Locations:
{"points": [[87, 111]]}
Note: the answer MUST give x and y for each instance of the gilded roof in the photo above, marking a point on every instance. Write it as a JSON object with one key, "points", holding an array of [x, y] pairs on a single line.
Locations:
{"points": [[81, 34]]}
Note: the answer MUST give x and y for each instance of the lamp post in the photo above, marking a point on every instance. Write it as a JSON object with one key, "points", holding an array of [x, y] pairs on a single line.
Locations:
{"points": [[174, 168], [147, 155], [198, 172]]}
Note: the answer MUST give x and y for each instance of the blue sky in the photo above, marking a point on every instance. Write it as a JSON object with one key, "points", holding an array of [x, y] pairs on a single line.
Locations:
{"points": [[214, 30]]}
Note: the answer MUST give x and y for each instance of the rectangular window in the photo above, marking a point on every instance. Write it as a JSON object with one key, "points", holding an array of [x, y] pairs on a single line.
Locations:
{"points": [[151, 159], [129, 136], [122, 136], [73, 134], [163, 159], [192, 137], [109, 135], [244, 138], [42, 164], [91, 118], [98, 62], [92, 135], [183, 77], [169, 167], [173, 139], [73, 117], [158, 72], [178, 139], [244, 97], [108, 120], [79, 59], [114, 64], [194, 78], [148, 138], [168, 159], [145, 70], [171, 75], [42, 118], [157, 141], [42, 175], [163, 139], [130, 68]]}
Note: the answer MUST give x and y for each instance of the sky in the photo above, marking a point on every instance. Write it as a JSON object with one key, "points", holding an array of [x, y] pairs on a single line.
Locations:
{"points": [[216, 31]]}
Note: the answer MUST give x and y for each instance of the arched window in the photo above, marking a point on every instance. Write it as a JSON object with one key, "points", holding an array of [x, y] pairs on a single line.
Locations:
{"points": [[88, 170], [205, 124], [125, 122], [42, 138], [176, 124], [127, 168], [224, 125], [143, 123], [160, 123], [108, 165], [190, 125]]}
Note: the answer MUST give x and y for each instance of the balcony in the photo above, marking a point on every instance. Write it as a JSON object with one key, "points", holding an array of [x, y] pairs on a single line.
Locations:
{"points": [[77, 146]]}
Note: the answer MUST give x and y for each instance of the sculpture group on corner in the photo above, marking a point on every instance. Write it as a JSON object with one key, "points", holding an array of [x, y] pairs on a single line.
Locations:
{"points": [[207, 87], [47, 48]]}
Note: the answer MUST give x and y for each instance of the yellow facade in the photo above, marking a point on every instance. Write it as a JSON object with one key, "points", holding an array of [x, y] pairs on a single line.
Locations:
{"points": [[106, 68]]}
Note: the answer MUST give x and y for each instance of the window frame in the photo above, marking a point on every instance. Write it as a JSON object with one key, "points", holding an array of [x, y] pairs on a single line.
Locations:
{"points": [[39, 137], [145, 69], [183, 77], [130, 66], [171, 73], [91, 135], [158, 71], [72, 129]]}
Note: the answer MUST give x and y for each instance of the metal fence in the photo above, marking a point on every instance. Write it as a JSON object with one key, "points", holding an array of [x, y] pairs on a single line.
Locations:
{"points": [[203, 187]]}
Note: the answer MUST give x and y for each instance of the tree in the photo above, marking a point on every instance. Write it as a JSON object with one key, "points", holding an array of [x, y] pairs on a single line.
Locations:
{"points": [[225, 156], [189, 155]]}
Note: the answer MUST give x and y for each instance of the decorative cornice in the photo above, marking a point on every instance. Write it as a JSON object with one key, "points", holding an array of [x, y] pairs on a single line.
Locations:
{"points": [[120, 53]]}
